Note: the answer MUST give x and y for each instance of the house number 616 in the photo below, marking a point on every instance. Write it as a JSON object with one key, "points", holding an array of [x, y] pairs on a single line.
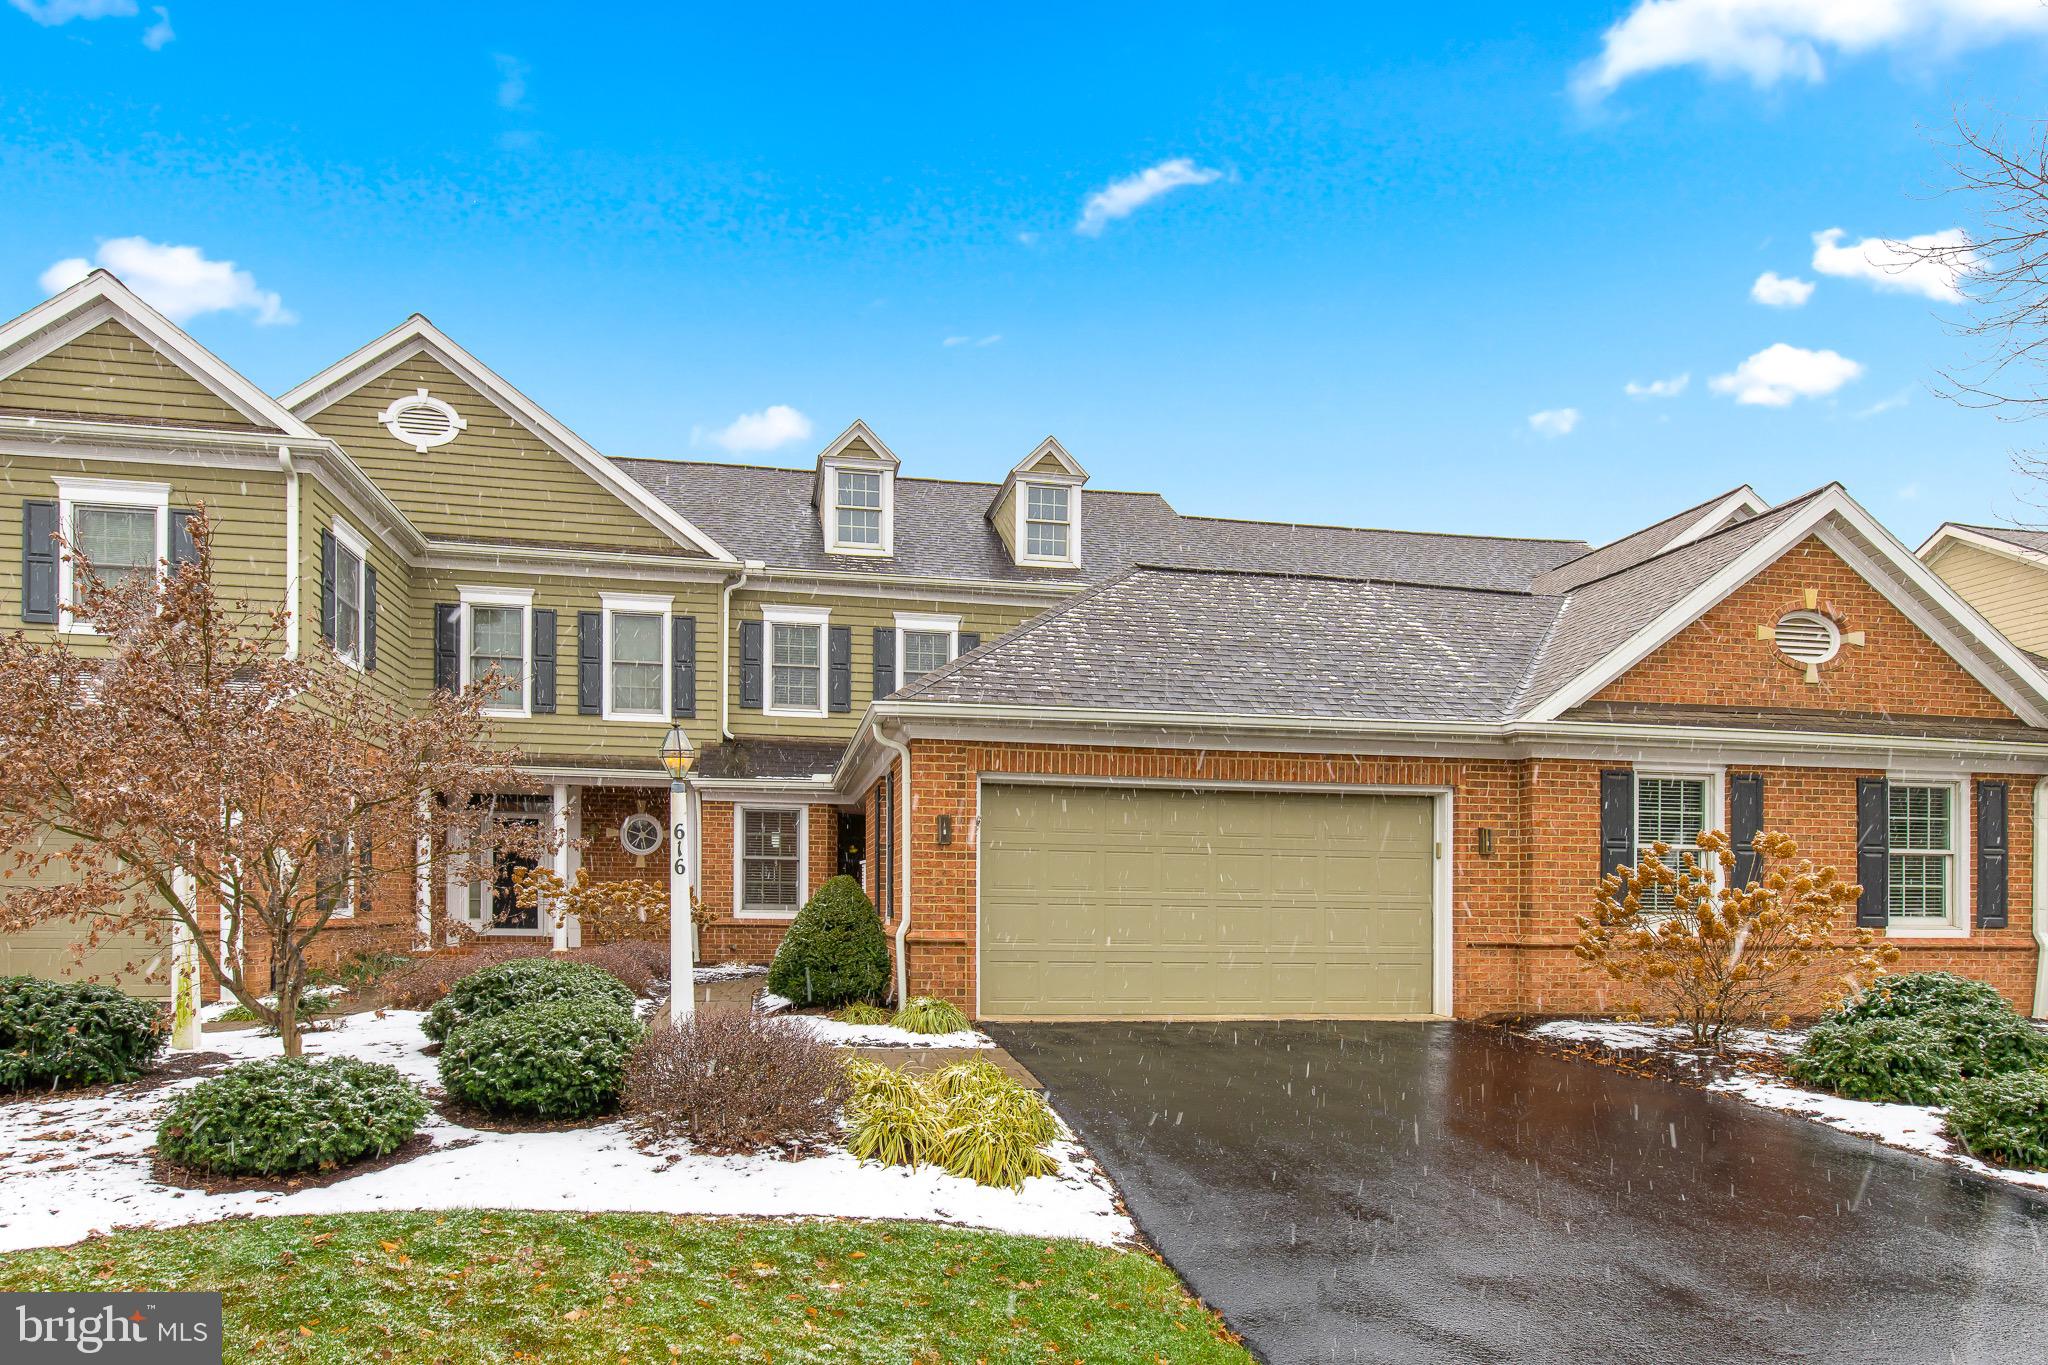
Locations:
{"points": [[676, 843]]}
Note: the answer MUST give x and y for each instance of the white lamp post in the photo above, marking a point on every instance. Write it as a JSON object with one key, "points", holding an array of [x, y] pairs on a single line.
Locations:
{"points": [[678, 755]]}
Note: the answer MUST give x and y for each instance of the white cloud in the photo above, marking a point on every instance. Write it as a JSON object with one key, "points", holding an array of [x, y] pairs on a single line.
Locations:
{"points": [[159, 33], [1658, 388], [1769, 41], [771, 427], [1122, 198], [1910, 493], [1886, 404], [51, 13], [178, 280], [1881, 262], [1781, 291], [1776, 375], [511, 81], [989, 340], [1554, 422]]}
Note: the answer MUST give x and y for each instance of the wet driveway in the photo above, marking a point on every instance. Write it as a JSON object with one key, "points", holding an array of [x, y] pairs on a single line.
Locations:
{"points": [[1435, 1192]]}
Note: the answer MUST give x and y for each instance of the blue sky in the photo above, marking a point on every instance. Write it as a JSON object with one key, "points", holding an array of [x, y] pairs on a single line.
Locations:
{"points": [[1401, 236]]}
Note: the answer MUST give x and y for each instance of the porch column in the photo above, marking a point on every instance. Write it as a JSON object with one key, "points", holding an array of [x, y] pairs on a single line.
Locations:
{"points": [[184, 968], [682, 957], [560, 811], [423, 882]]}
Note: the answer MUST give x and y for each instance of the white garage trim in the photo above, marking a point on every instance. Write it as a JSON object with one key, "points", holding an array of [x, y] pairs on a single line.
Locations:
{"points": [[1441, 801]]}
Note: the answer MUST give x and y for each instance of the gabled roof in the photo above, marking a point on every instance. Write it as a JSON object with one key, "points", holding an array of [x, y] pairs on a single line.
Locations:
{"points": [[1716, 513], [416, 336], [859, 431], [1065, 469], [2029, 547], [101, 297]]}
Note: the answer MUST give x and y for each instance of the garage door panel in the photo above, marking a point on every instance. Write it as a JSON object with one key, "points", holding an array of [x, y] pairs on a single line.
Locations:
{"points": [[1160, 901]]}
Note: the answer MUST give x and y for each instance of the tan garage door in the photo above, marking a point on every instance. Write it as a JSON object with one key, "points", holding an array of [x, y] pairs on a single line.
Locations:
{"points": [[1163, 902], [129, 961]]}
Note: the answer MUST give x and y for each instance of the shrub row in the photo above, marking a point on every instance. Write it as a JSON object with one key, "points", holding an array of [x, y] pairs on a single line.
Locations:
{"points": [[523, 981], [423, 981], [55, 1034], [284, 1115]]}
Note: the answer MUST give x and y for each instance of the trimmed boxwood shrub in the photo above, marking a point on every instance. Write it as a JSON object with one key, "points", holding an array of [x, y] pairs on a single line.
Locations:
{"points": [[492, 991], [1994, 1042], [559, 1059], [284, 1114], [2003, 1118], [835, 950], [1897, 1060], [66, 1033], [1917, 995]]}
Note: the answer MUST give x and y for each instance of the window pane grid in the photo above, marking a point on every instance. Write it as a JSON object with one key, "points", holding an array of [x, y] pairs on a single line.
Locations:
{"points": [[925, 650], [794, 663], [1921, 865], [1672, 811], [120, 541], [859, 509], [770, 860], [497, 639], [1046, 518], [348, 602], [636, 662]]}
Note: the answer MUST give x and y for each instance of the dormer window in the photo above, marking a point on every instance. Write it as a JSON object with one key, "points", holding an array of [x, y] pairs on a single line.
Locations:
{"points": [[1037, 512], [855, 494], [1048, 521], [857, 509]]}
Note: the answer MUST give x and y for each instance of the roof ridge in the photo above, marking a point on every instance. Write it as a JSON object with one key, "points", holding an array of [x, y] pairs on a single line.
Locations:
{"points": [[1640, 530], [1313, 576], [900, 478], [1784, 506], [1387, 530], [1029, 627]]}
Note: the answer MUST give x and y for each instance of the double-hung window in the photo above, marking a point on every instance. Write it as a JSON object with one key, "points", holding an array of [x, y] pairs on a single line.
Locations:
{"points": [[796, 660], [496, 633], [858, 507], [1673, 811], [924, 643], [636, 645], [119, 527], [1048, 521], [349, 556], [771, 859], [1923, 840]]}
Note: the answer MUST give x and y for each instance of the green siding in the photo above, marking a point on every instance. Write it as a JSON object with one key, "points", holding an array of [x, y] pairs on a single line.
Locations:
{"points": [[404, 655], [113, 374], [495, 481]]}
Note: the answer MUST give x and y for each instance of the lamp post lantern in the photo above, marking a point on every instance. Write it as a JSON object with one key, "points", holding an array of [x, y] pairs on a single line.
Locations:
{"points": [[679, 756]]}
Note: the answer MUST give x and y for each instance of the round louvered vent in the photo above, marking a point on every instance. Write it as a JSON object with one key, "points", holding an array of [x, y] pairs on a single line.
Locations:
{"points": [[1807, 637], [422, 421], [640, 833]]}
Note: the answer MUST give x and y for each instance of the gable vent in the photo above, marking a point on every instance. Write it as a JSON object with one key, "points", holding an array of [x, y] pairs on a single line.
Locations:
{"points": [[422, 421], [1807, 637]]}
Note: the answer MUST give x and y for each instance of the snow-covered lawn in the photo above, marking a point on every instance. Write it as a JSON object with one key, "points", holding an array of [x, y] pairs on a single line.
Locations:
{"points": [[70, 1167], [1910, 1127], [883, 1035]]}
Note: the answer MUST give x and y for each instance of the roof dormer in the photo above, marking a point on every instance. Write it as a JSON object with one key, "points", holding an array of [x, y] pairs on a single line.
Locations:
{"points": [[855, 494], [1037, 511]]}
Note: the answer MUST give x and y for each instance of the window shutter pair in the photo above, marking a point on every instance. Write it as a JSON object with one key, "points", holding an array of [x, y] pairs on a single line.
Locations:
{"points": [[682, 681], [839, 668], [544, 667], [447, 646]]}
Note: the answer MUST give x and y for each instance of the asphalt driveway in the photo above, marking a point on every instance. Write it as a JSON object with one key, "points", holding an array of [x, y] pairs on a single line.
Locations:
{"points": [[1436, 1192]]}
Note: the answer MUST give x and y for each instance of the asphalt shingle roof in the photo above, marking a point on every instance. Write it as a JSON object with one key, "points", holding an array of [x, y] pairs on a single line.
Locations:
{"points": [[1632, 548], [2012, 535]]}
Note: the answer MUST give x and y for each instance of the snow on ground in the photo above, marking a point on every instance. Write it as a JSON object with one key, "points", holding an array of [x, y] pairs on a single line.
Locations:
{"points": [[883, 1035], [71, 1167], [1909, 1127], [729, 971]]}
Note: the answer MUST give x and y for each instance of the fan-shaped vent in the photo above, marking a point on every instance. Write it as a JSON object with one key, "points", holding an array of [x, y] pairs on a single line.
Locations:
{"points": [[1807, 637], [422, 421]]}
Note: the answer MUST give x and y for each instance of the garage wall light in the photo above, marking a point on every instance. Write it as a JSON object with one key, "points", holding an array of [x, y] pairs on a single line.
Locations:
{"points": [[945, 830], [1485, 842]]}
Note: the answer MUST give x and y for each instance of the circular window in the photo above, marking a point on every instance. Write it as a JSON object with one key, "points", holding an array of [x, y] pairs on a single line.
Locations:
{"points": [[641, 834], [422, 421], [1807, 637]]}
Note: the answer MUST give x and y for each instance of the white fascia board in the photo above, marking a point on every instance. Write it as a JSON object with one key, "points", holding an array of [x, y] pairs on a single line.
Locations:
{"points": [[1951, 534], [859, 430], [416, 335], [101, 297]]}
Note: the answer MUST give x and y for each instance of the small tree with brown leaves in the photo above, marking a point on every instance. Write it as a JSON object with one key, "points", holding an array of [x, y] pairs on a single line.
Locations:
{"points": [[1711, 956], [176, 769], [620, 909]]}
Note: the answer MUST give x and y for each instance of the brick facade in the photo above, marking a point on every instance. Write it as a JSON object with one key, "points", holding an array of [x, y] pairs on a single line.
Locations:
{"points": [[731, 939]]}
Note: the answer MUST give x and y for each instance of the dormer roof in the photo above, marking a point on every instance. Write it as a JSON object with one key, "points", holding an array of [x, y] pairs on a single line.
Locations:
{"points": [[1048, 460]]}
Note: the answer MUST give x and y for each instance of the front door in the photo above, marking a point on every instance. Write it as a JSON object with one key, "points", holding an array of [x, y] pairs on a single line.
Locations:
{"points": [[506, 911], [853, 843]]}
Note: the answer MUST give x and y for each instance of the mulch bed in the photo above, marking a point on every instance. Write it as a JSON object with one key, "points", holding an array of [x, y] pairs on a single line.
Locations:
{"points": [[206, 1182], [469, 1116], [1665, 1062], [178, 1066]]}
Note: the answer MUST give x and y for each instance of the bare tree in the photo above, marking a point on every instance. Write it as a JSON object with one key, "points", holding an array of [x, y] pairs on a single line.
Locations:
{"points": [[177, 773]]}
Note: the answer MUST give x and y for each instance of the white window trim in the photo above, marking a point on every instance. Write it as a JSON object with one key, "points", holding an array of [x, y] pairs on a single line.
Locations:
{"points": [[739, 860], [1961, 911], [1714, 811], [346, 539], [521, 598], [661, 834], [638, 605], [777, 615], [1021, 532], [102, 493], [907, 622], [829, 511]]}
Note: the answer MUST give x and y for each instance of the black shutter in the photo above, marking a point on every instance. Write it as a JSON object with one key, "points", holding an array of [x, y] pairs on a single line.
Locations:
{"points": [[369, 619], [447, 644], [39, 562], [750, 665], [885, 662], [839, 673], [682, 667], [327, 586], [1745, 822], [183, 551], [544, 666], [589, 663], [1873, 851], [1617, 819], [366, 871], [1991, 855], [968, 640]]}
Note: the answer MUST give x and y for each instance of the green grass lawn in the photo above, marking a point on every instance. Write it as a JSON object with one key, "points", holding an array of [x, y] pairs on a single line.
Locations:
{"points": [[469, 1286]]}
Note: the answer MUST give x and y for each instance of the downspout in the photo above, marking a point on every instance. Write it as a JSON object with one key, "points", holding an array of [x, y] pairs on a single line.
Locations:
{"points": [[2040, 910], [291, 551], [902, 752], [725, 644]]}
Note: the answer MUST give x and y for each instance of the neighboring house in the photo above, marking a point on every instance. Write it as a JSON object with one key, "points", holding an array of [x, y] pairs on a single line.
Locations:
{"points": [[2002, 571], [1091, 757]]}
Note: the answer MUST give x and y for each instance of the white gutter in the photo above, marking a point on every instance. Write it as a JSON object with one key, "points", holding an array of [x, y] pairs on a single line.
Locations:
{"points": [[2040, 911], [725, 645], [902, 751], [291, 551]]}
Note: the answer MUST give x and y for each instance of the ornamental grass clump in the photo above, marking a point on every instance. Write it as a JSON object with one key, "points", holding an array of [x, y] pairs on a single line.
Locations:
{"points": [[494, 990], [2003, 1118], [1896, 1061], [1697, 951], [861, 1012], [735, 1083], [924, 1014], [55, 1034], [835, 950], [285, 1115], [558, 1059], [969, 1118]]}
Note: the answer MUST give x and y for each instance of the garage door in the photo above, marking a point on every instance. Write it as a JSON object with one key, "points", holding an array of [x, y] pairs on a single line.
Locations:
{"points": [[129, 961], [1162, 902]]}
